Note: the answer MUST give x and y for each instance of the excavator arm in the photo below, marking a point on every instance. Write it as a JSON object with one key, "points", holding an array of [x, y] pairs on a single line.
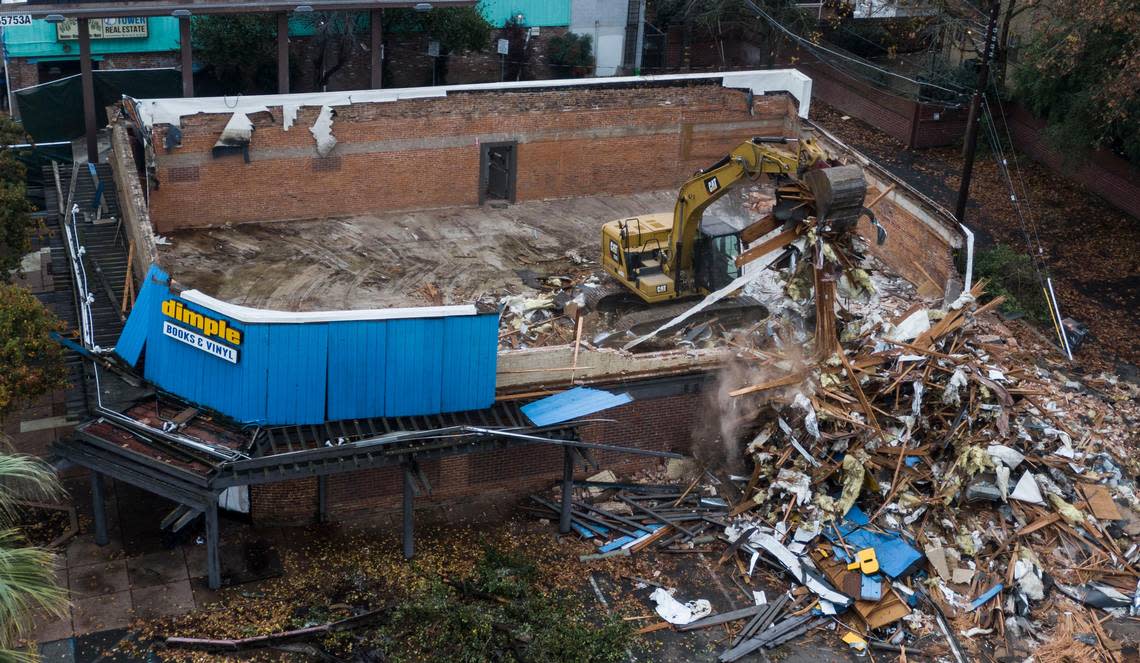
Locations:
{"points": [[750, 159]]}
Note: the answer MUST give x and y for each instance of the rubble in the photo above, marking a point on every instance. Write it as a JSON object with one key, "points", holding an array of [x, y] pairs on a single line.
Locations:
{"points": [[931, 476]]}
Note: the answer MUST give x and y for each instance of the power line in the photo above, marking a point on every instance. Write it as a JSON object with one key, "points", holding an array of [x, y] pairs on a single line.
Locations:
{"points": [[812, 46]]}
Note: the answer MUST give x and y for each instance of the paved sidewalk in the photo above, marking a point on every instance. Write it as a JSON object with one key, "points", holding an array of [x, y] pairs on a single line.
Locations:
{"points": [[137, 574]]}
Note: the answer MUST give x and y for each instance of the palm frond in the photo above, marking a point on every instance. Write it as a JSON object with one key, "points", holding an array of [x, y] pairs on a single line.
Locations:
{"points": [[27, 587], [24, 477]]}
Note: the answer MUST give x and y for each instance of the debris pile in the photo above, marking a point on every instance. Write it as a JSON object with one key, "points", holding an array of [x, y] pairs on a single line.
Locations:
{"points": [[929, 474], [935, 485]]}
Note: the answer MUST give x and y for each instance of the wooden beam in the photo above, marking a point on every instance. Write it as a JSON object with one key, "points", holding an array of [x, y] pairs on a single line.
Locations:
{"points": [[759, 229], [777, 242]]}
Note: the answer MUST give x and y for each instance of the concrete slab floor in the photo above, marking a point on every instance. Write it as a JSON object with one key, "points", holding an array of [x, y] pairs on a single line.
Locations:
{"points": [[382, 260]]}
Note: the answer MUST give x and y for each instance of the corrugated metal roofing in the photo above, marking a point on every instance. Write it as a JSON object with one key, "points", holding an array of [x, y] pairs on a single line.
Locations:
{"points": [[577, 402], [311, 372]]}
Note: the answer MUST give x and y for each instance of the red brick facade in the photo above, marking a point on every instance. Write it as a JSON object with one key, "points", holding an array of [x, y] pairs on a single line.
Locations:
{"points": [[422, 153], [1104, 173], [917, 125], [22, 73], [486, 481]]}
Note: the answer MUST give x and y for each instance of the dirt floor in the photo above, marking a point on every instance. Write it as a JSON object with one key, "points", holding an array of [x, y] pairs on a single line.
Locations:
{"points": [[399, 259], [1090, 247]]}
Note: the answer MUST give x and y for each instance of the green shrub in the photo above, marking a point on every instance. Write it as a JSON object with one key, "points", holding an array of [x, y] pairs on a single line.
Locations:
{"points": [[1011, 274], [571, 55]]}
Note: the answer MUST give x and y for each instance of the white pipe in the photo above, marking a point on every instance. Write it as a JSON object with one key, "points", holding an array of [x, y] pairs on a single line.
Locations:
{"points": [[1060, 321], [969, 285]]}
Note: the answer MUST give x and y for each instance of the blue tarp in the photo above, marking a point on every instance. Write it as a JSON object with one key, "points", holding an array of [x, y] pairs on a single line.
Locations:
{"points": [[896, 556], [577, 402]]}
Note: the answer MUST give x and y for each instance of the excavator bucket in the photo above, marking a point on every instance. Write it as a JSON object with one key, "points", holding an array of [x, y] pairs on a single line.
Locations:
{"points": [[839, 192]]}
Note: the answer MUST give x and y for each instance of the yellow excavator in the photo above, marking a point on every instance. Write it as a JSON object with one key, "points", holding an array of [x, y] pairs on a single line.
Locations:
{"points": [[667, 256]]}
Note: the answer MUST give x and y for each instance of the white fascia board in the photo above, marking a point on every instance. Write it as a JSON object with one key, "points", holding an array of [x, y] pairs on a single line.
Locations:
{"points": [[170, 111], [257, 315]]}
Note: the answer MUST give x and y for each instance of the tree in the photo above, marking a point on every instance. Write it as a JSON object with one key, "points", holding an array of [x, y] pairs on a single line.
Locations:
{"points": [[336, 37], [457, 29], [571, 55], [240, 49], [1080, 72], [32, 361], [15, 210], [27, 574]]}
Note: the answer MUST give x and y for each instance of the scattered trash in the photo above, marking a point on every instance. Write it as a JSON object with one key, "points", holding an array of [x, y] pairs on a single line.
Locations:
{"points": [[675, 612]]}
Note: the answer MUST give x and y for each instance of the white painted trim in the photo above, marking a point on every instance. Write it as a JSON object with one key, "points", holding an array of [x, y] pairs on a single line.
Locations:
{"points": [[257, 315], [171, 111]]}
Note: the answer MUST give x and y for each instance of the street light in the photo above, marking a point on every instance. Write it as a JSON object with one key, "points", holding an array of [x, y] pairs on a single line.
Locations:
{"points": [[422, 7], [302, 9], [180, 12], [54, 18]]}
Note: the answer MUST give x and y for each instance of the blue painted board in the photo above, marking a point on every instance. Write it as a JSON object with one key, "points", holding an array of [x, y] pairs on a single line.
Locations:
{"points": [[571, 404]]}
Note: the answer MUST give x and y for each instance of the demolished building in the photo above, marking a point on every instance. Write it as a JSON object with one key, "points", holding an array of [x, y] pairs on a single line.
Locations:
{"points": [[322, 229]]}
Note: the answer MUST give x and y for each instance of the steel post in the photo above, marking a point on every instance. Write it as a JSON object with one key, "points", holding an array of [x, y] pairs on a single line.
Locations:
{"points": [[567, 489], [187, 56], [99, 509], [88, 85], [376, 47], [409, 512], [213, 564], [282, 53]]}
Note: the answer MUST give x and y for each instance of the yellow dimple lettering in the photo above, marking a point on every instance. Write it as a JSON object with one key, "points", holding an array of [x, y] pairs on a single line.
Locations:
{"points": [[208, 326]]}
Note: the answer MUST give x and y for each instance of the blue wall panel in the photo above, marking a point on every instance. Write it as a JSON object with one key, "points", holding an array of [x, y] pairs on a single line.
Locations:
{"points": [[133, 337], [298, 367], [357, 359], [415, 367], [469, 362], [311, 372]]}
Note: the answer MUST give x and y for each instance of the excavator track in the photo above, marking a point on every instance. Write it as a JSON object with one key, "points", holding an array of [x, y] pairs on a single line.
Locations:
{"points": [[729, 312], [626, 316]]}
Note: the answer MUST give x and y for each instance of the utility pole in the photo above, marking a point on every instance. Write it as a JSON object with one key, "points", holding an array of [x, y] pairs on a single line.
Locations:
{"points": [[975, 110]]}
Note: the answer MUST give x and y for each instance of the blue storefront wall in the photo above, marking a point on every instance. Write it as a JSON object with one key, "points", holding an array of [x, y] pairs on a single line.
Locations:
{"points": [[299, 368]]}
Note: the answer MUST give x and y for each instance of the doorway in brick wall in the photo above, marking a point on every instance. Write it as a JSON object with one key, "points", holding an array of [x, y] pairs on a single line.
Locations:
{"points": [[498, 168]]}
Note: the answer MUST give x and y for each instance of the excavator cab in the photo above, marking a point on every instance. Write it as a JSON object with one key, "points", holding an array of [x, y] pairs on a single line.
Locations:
{"points": [[714, 261]]}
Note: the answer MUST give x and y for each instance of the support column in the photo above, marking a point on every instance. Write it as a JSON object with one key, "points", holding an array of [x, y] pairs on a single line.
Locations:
{"points": [[376, 47], [283, 53], [567, 489], [213, 565], [322, 499], [97, 506], [88, 84], [409, 540], [187, 56]]}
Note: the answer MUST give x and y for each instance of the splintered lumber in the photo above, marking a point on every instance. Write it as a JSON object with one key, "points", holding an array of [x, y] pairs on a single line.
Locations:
{"points": [[783, 381], [762, 620], [777, 242], [659, 626], [273, 639], [759, 229], [722, 618]]}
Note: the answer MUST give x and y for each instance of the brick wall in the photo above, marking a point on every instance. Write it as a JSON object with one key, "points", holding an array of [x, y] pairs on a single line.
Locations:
{"points": [[486, 482], [285, 503], [1103, 173], [22, 74], [420, 153], [917, 125], [140, 60]]}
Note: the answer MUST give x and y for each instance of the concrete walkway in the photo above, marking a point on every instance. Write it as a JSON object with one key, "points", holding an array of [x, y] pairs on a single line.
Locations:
{"points": [[137, 574]]}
